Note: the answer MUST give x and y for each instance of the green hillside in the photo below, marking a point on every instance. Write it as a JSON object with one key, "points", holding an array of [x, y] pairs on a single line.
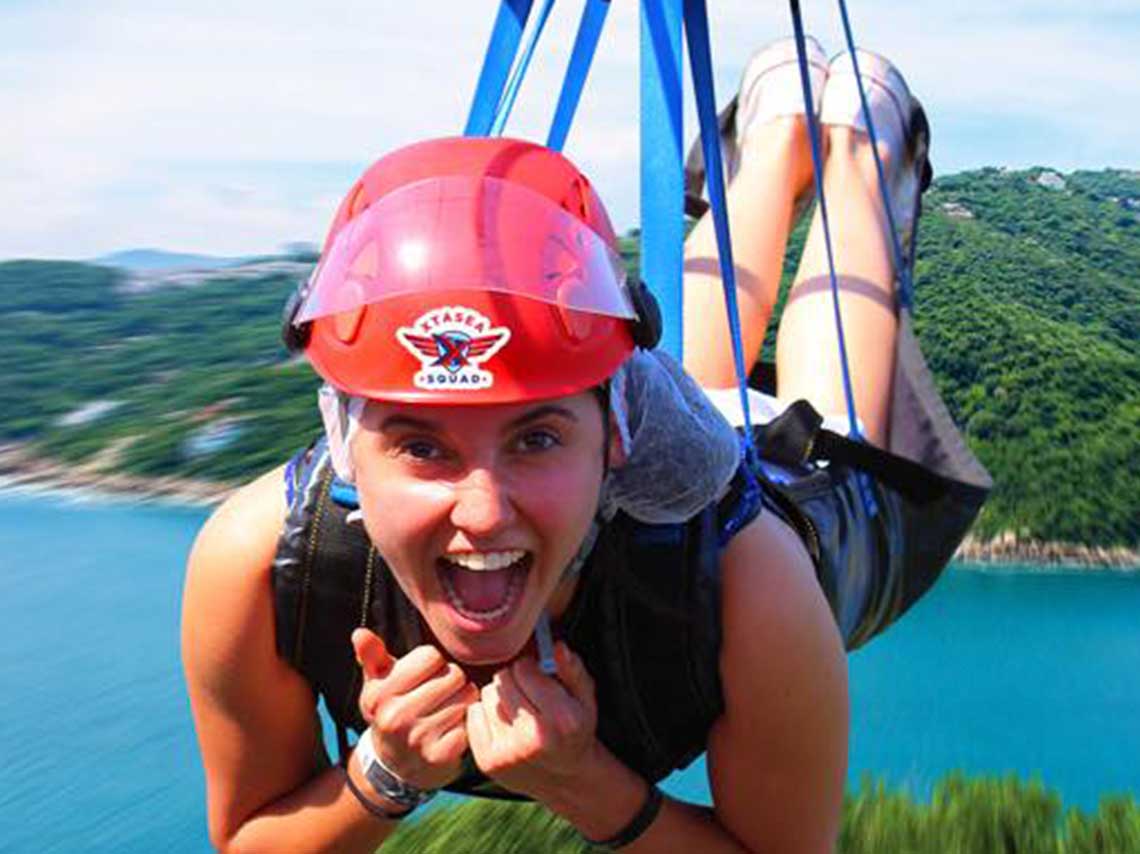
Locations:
{"points": [[1029, 314], [1028, 307]]}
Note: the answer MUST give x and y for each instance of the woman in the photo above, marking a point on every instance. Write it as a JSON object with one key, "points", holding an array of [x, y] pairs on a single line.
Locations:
{"points": [[504, 455]]}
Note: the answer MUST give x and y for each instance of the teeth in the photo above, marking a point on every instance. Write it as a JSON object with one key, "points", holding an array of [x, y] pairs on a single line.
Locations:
{"points": [[484, 616], [486, 561]]}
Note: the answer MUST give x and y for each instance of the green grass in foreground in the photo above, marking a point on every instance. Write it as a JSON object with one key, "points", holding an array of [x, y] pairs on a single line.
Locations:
{"points": [[964, 816]]}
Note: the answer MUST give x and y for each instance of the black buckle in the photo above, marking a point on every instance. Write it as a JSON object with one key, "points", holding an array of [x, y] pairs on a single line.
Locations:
{"points": [[295, 336], [646, 329]]}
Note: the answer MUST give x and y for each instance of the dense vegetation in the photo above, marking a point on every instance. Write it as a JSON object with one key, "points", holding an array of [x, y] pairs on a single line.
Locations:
{"points": [[964, 816], [1030, 317], [175, 358], [1028, 307]]}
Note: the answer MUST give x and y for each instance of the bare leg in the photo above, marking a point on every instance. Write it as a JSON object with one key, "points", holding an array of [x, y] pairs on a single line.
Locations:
{"points": [[807, 350], [775, 167]]}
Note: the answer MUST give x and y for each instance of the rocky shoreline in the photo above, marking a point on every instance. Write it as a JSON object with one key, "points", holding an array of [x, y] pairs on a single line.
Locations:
{"points": [[1009, 549], [21, 469]]}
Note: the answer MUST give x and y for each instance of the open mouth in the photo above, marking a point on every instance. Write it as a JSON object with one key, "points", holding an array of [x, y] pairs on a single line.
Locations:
{"points": [[485, 587]]}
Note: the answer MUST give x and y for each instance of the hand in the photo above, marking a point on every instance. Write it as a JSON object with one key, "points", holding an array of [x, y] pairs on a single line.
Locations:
{"points": [[534, 734], [415, 707]]}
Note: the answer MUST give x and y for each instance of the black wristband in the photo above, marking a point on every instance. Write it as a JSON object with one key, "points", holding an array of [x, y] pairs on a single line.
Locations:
{"points": [[638, 824], [369, 804]]}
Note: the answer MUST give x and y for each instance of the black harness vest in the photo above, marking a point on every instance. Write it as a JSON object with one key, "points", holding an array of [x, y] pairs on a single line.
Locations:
{"points": [[645, 618]]}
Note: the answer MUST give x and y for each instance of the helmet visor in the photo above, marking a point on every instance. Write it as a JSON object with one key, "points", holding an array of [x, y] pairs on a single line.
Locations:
{"points": [[459, 232]]}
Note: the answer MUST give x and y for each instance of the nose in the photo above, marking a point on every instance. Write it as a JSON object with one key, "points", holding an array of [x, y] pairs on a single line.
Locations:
{"points": [[483, 504]]}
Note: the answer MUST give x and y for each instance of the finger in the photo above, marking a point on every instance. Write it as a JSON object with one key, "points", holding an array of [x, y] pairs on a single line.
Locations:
{"points": [[377, 694], [371, 653], [573, 674], [451, 713], [415, 668], [448, 748], [400, 713], [495, 715], [510, 704], [479, 734], [545, 693], [438, 722], [436, 691], [371, 696]]}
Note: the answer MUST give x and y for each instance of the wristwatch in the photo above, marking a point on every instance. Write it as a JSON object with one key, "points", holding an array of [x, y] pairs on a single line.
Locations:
{"points": [[385, 782]]}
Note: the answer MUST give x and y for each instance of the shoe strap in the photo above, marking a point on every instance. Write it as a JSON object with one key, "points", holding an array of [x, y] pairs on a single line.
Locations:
{"points": [[903, 265]]}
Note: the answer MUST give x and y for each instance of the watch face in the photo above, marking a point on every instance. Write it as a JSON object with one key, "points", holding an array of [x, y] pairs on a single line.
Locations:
{"points": [[393, 788], [384, 782]]}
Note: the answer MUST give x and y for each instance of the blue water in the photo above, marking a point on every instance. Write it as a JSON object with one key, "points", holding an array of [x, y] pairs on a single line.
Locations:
{"points": [[991, 672], [1001, 672]]}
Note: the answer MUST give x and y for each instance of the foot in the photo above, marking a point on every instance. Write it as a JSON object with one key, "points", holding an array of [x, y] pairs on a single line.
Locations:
{"points": [[901, 131], [771, 91], [765, 123]]}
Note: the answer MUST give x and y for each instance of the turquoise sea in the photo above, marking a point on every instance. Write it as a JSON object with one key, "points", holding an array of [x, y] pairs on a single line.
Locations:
{"points": [[992, 672]]}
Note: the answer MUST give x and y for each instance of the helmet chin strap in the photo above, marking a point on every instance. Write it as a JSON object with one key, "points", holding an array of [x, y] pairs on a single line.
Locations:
{"points": [[604, 399], [542, 635], [545, 643], [591, 537]]}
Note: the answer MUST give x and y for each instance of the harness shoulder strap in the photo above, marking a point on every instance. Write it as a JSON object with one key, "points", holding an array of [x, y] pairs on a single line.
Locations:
{"points": [[327, 580]]}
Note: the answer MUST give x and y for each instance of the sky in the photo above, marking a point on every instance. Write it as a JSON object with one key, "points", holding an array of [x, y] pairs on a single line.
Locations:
{"points": [[234, 128]]}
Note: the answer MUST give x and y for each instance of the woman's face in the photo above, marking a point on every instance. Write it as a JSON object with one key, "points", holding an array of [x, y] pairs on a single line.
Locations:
{"points": [[477, 510]]}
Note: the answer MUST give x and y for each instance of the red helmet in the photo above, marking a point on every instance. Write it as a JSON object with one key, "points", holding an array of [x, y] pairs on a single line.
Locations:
{"points": [[469, 270]]}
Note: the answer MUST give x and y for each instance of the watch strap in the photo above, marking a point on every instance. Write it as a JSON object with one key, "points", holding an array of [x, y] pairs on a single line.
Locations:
{"points": [[384, 781], [638, 824], [376, 809]]}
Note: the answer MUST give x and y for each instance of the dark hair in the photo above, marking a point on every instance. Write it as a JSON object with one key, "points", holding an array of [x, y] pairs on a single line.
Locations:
{"points": [[602, 393]]}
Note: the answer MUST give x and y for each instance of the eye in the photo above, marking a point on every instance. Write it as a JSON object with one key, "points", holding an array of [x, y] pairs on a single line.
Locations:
{"points": [[421, 449], [533, 441]]}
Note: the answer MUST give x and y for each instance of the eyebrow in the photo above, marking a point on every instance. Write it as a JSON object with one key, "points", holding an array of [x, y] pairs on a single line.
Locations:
{"points": [[395, 421], [540, 412], [426, 424]]}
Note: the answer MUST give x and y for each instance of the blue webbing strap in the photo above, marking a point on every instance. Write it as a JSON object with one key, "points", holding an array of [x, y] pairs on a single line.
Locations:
{"points": [[700, 61], [501, 50], [508, 102], [662, 172], [344, 494], [290, 481], [817, 170], [585, 44], [906, 285]]}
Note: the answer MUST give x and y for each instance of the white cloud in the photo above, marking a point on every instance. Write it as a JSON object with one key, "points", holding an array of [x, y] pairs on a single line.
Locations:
{"points": [[234, 127]]}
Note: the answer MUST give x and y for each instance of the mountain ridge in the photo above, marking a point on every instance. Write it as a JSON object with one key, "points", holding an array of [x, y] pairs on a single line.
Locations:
{"points": [[150, 259]]}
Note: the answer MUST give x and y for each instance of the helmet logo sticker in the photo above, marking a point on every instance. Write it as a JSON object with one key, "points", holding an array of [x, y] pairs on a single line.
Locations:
{"points": [[452, 342]]}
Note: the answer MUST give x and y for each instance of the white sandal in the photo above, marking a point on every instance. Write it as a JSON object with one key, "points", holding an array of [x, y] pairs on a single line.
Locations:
{"points": [[900, 126], [770, 88]]}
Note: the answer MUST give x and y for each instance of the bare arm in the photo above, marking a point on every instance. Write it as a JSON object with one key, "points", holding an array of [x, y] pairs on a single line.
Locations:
{"points": [[778, 756], [268, 786]]}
